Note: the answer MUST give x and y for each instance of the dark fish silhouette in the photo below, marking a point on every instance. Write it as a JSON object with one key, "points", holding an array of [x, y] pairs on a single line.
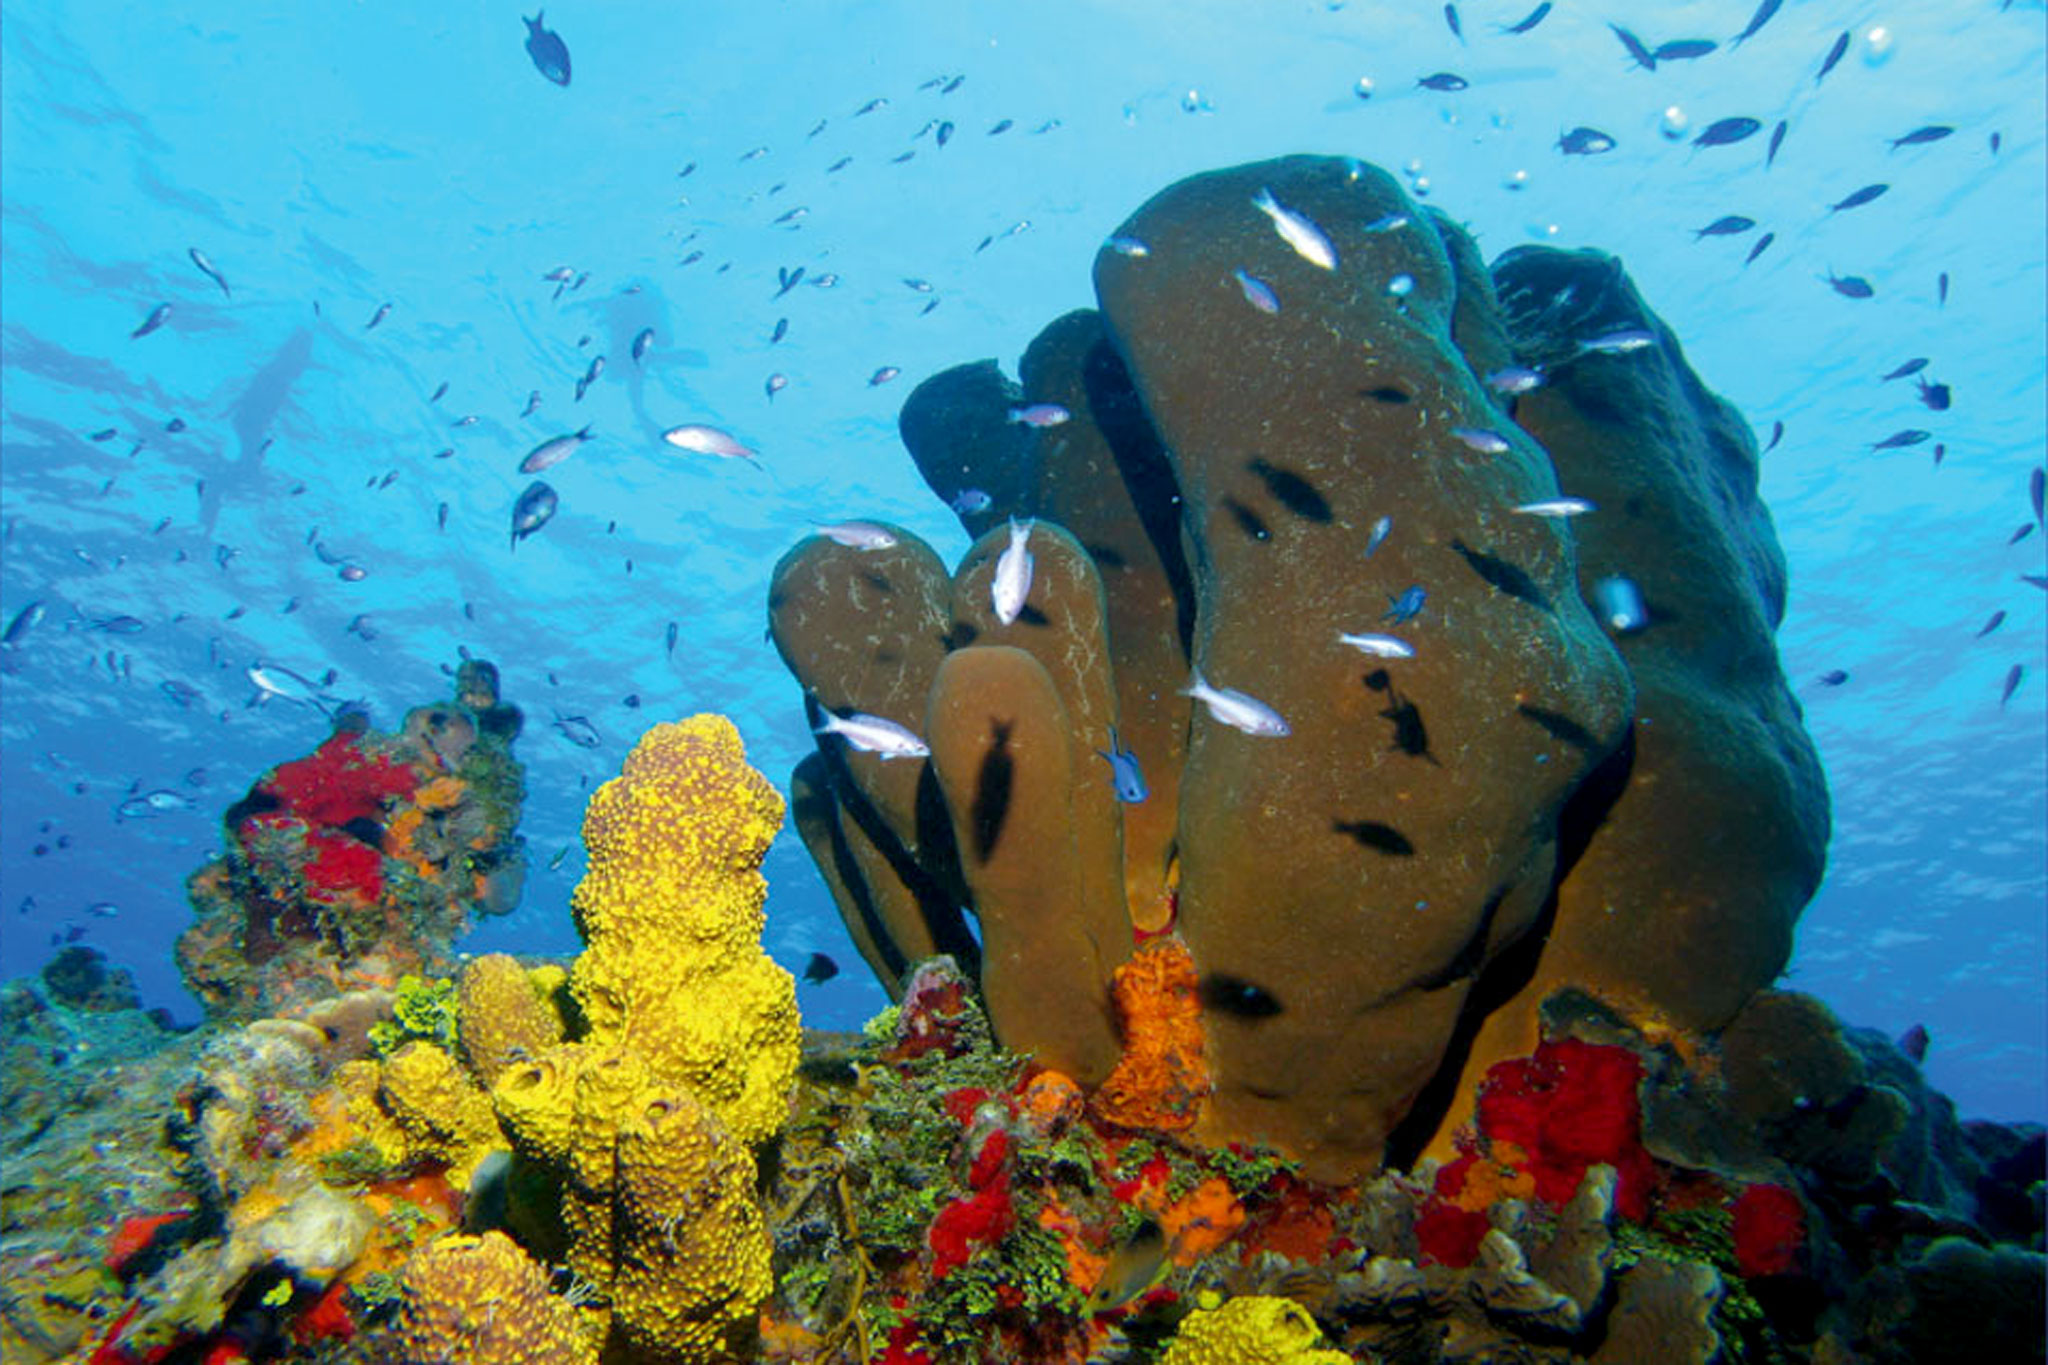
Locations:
{"points": [[1777, 435], [1756, 22], [2035, 479], [1941, 290], [1762, 244], [1450, 82], [1913, 366], [1997, 620], [2012, 683], [1451, 18], [1900, 440], [157, 317], [1684, 49], [1913, 1042], [1933, 132], [1376, 836], [1642, 56], [819, 969], [1233, 995], [1723, 132], [1536, 16], [1584, 141], [1834, 677], [1859, 198], [1777, 141], [1729, 225], [1935, 396], [1835, 54], [550, 54], [1850, 286]]}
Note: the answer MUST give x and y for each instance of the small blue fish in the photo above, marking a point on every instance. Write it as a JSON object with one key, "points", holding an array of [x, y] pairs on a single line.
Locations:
{"points": [[1835, 54], [1639, 54], [1257, 292], [1448, 82], [1724, 132], [643, 342], [1381, 529], [550, 54], [1584, 141], [1762, 16], [1684, 49], [1406, 607], [1728, 225], [1859, 198], [383, 312], [1777, 141], [157, 317], [1763, 244], [1536, 16], [1850, 286], [1124, 774]]}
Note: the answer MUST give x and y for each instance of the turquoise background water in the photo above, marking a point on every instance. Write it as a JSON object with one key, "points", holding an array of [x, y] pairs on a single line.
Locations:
{"points": [[329, 159]]}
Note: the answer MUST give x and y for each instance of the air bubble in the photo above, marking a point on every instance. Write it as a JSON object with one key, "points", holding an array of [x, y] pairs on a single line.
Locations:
{"points": [[1674, 123], [1877, 46], [1401, 286], [1518, 181], [1363, 89]]}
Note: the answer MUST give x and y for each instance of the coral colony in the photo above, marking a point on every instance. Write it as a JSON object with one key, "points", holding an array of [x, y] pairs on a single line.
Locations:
{"points": [[1373, 924]]}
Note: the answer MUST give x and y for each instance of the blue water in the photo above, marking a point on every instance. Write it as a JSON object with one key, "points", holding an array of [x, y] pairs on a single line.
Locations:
{"points": [[329, 159]]}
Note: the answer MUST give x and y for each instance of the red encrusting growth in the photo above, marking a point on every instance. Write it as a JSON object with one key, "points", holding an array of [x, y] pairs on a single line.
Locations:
{"points": [[338, 782], [1450, 1235], [1571, 1106], [133, 1236], [1769, 1230], [327, 1318], [341, 863]]}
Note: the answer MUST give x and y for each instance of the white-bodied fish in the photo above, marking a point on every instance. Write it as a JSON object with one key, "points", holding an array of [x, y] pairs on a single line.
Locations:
{"points": [[1379, 646], [874, 735], [1238, 710], [552, 452], [1393, 222], [1619, 343], [1129, 246], [858, 535], [1308, 240], [704, 440], [208, 269], [1040, 415], [1515, 379], [275, 680], [1556, 507], [1012, 581], [1377, 537], [1484, 441]]}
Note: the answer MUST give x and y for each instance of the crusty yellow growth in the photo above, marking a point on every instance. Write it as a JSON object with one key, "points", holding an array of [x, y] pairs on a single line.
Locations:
{"points": [[477, 1299], [693, 1259], [505, 1013], [444, 1115], [671, 911], [687, 1047], [1251, 1331]]}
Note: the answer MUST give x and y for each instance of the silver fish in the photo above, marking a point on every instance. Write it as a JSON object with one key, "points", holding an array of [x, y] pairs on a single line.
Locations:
{"points": [[1011, 584], [875, 735], [1040, 415], [1484, 441], [1125, 776], [535, 508], [383, 312], [858, 535], [1377, 537], [157, 317], [1379, 646], [1556, 507], [707, 440], [1308, 240], [208, 269], [643, 342], [1238, 710], [1619, 343], [552, 452]]}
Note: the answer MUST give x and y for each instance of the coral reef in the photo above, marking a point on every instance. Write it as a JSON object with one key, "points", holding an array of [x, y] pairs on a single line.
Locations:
{"points": [[363, 860], [481, 1299], [1261, 451]]}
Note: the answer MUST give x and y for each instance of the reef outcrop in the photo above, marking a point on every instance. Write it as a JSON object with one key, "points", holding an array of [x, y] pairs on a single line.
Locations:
{"points": [[1295, 418], [362, 861]]}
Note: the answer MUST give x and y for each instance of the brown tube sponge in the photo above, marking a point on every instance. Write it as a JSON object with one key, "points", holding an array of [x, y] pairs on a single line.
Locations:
{"points": [[1413, 811]]}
